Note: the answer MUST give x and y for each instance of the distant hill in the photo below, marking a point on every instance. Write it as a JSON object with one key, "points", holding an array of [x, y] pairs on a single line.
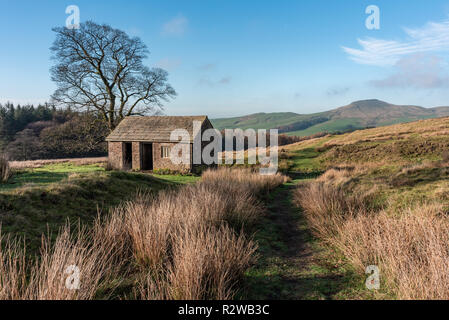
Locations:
{"points": [[357, 115]]}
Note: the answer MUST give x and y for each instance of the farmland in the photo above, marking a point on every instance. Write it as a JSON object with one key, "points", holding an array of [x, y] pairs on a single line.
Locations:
{"points": [[302, 234]]}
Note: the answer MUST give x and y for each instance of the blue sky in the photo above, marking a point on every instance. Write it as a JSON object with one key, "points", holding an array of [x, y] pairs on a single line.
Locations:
{"points": [[231, 58]]}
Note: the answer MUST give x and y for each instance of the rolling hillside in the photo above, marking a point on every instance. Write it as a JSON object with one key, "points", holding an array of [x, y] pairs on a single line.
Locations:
{"points": [[357, 115]]}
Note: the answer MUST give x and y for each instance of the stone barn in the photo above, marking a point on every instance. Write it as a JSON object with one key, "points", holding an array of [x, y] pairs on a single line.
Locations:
{"points": [[143, 143]]}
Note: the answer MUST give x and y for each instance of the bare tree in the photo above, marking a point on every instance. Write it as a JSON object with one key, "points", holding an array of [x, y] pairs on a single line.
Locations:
{"points": [[101, 69]]}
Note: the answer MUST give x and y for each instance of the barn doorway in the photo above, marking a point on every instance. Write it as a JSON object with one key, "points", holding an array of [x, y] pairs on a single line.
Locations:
{"points": [[128, 156], [147, 156]]}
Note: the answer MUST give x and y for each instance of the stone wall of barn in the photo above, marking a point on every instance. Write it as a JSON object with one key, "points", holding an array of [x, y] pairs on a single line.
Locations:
{"points": [[166, 163], [116, 151], [136, 155]]}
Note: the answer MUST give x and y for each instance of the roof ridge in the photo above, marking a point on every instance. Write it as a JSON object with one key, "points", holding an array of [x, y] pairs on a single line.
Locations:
{"points": [[152, 128]]}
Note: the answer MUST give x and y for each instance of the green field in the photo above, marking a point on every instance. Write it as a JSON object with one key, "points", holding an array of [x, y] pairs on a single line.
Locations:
{"points": [[259, 121], [330, 126], [39, 200]]}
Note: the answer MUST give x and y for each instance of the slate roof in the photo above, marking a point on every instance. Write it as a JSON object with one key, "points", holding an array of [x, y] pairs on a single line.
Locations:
{"points": [[152, 129]]}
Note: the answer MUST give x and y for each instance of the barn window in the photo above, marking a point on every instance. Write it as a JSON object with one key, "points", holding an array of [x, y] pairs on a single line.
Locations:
{"points": [[165, 152]]}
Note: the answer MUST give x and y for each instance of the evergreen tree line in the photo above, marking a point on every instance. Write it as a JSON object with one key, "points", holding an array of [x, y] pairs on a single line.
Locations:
{"points": [[45, 132]]}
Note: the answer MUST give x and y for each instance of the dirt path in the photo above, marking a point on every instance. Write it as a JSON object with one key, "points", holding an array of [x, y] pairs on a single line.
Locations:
{"points": [[292, 264]]}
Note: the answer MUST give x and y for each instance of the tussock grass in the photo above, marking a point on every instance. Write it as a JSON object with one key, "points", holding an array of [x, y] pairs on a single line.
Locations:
{"points": [[48, 276], [13, 269], [410, 246], [245, 178], [185, 243], [206, 264], [196, 254], [411, 250]]}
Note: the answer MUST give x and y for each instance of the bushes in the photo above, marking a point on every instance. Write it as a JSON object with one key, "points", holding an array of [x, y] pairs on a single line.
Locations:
{"points": [[5, 170]]}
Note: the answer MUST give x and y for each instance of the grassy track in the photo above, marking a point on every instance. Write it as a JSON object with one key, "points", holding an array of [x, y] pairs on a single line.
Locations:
{"points": [[292, 263]]}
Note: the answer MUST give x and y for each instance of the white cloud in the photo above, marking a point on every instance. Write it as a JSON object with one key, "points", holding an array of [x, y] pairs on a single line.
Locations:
{"points": [[432, 37], [419, 70], [176, 26]]}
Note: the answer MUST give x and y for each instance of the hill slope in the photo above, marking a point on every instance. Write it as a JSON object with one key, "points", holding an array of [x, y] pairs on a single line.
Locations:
{"points": [[359, 114], [398, 144], [383, 198]]}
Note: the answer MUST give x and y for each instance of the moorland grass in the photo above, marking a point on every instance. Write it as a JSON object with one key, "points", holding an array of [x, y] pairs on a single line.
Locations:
{"points": [[183, 243], [42, 199], [397, 221]]}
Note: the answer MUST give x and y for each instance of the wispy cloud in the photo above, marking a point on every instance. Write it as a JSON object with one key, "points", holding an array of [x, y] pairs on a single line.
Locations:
{"points": [[176, 26], [168, 64], [212, 83], [207, 67], [337, 91], [421, 71], [432, 37], [225, 80]]}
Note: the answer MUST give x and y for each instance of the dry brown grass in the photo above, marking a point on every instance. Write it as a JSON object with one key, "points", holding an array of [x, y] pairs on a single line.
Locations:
{"points": [[49, 278], [410, 247], [327, 206], [411, 250], [182, 241], [13, 269], [425, 128], [196, 255], [41, 163], [206, 264], [245, 178], [46, 277]]}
